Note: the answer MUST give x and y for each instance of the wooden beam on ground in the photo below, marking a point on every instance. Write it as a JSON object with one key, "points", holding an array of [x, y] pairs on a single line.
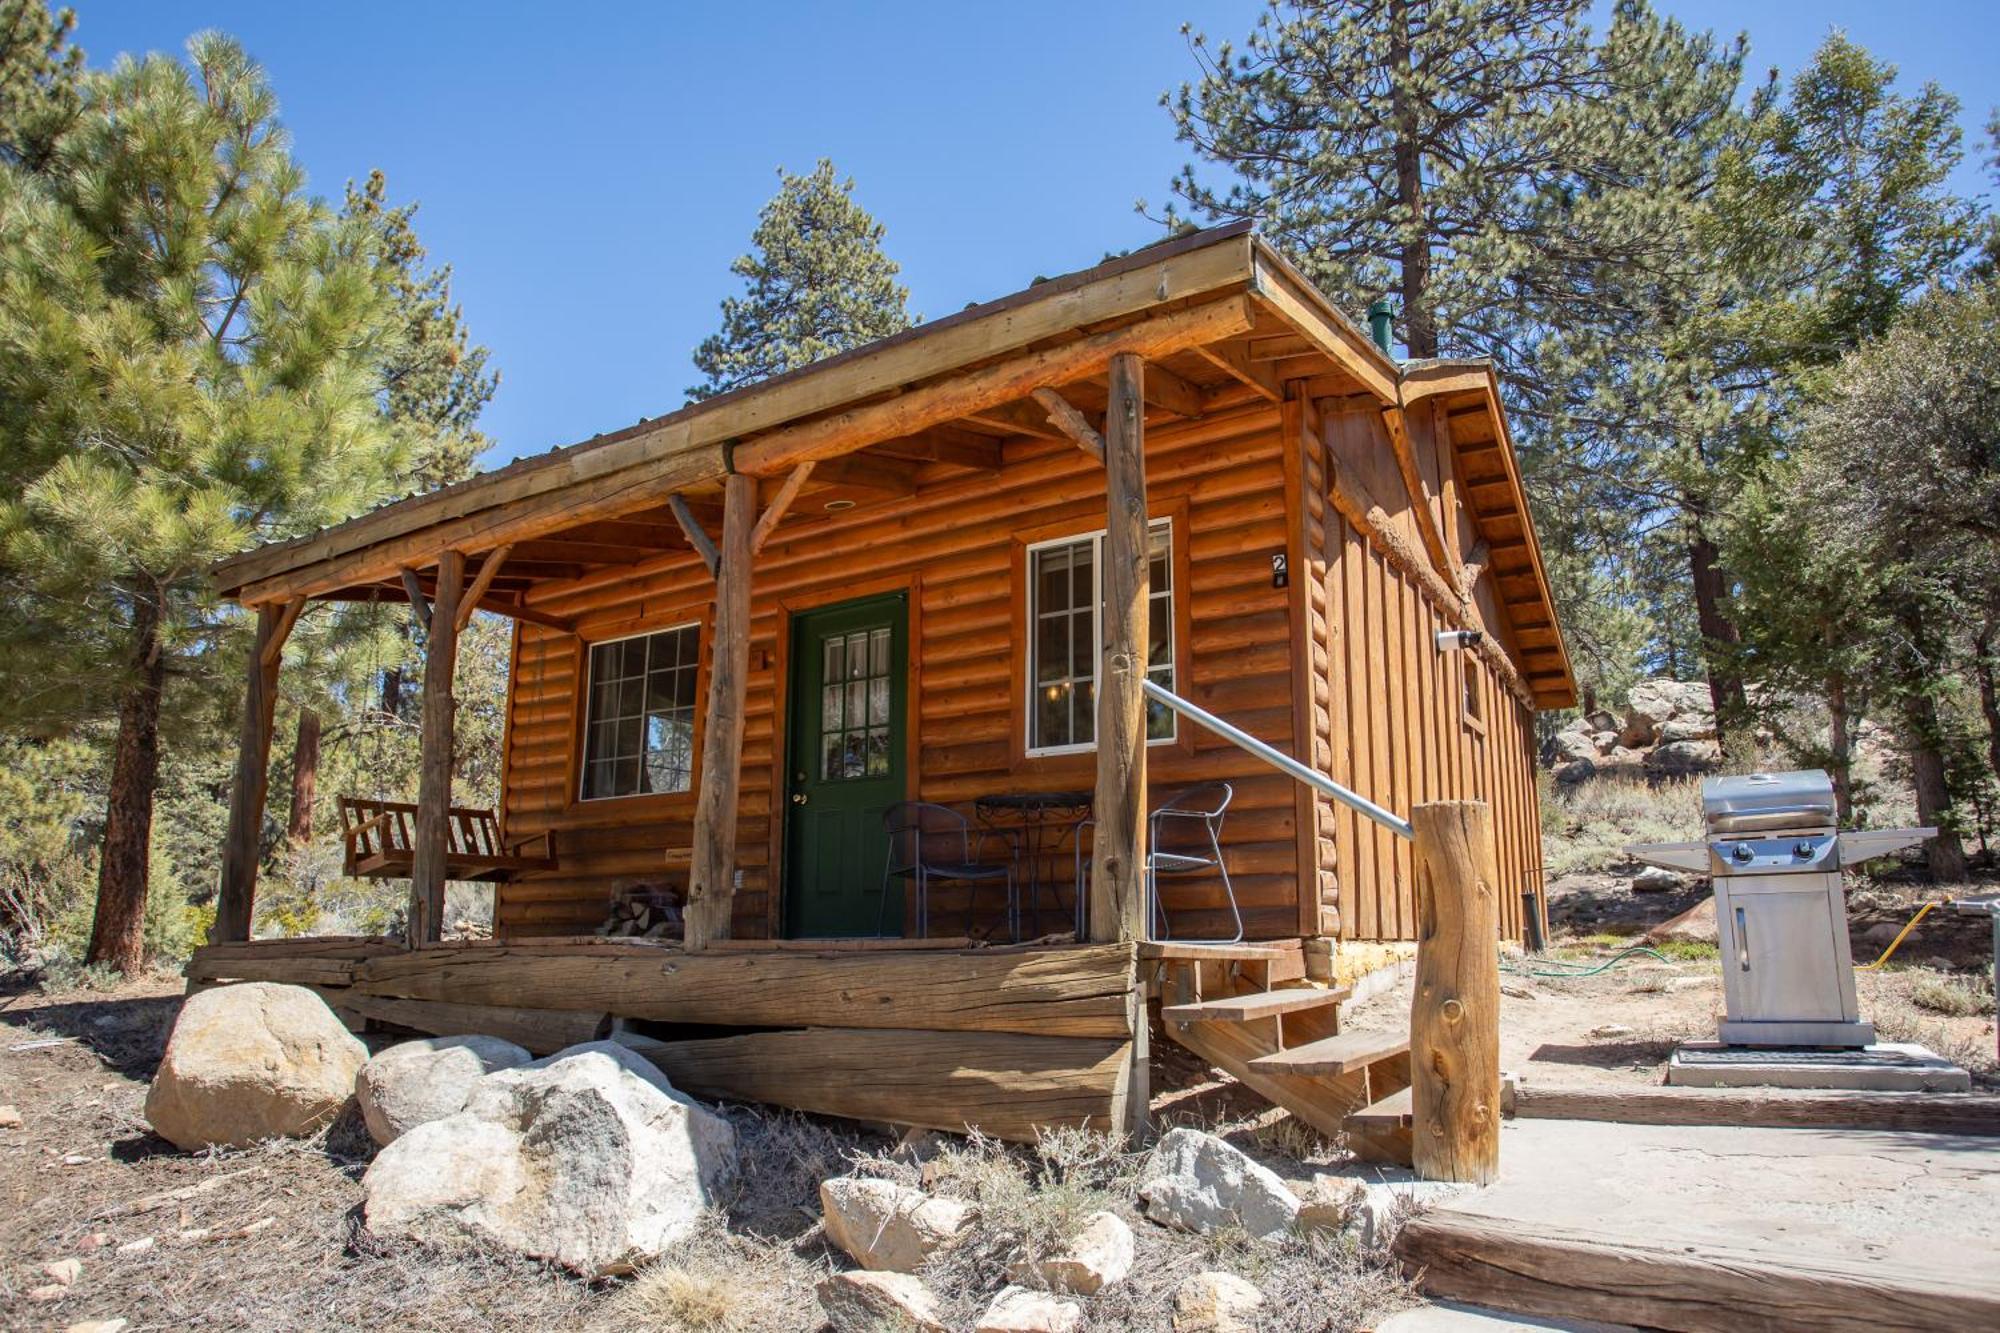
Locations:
{"points": [[1235, 360], [1455, 1006], [489, 569], [697, 535], [1005, 1084], [1066, 992], [1975, 1113], [1064, 416], [774, 512], [711, 880], [431, 838], [966, 394], [420, 605], [541, 1031], [242, 844], [1420, 497]]}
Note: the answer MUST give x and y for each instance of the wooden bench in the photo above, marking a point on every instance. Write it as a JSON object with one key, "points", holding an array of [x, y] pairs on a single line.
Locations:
{"points": [[378, 842]]}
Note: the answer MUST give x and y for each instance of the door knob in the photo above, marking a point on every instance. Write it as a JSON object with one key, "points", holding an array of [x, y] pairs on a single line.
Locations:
{"points": [[798, 798]]}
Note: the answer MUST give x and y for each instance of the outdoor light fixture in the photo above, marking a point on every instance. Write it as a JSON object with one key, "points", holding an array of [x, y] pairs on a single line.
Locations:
{"points": [[838, 506], [1451, 639]]}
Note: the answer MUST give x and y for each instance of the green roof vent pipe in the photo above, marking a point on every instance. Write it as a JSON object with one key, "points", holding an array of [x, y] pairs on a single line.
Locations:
{"points": [[1381, 316]]}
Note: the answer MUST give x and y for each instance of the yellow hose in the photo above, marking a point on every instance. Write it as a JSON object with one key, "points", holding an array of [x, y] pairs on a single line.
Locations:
{"points": [[1922, 912]]}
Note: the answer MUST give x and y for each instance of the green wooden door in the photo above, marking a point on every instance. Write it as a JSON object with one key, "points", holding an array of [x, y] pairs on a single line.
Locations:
{"points": [[845, 764]]}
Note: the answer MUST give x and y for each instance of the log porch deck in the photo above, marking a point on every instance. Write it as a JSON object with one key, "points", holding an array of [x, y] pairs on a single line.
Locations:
{"points": [[933, 1033]]}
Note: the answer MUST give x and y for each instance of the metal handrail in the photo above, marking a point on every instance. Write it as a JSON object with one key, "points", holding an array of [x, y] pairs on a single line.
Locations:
{"points": [[1279, 760]]}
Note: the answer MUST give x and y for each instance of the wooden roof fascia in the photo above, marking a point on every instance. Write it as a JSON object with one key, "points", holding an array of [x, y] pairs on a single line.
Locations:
{"points": [[1396, 422], [1282, 288], [1184, 267]]}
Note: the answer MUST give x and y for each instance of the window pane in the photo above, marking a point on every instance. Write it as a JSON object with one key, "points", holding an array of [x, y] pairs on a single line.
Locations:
{"points": [[857, 701], [1052, 715], [853, 763], [1052, 579], [857, 657], [829, 766], [878, 653], [878, 753], [835, 654], [878, 702], [632, 697], [829, 708], [1083, 563], [1159, 721], [1082, 651], [1051, 648], [1083, 712], [1159, 631]]}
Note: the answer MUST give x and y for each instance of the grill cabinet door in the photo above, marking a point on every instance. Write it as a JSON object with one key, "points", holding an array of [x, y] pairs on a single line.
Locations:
{"points": [[1780, 959]]}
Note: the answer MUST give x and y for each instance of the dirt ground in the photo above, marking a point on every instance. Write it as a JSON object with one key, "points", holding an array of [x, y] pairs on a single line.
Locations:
{"points": [[271, 1238]]}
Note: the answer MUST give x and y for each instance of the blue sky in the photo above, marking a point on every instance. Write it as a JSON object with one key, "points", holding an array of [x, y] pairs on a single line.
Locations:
{"points": [[591, 182]]}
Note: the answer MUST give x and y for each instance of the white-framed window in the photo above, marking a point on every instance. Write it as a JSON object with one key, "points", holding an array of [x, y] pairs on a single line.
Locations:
{"points": [[638, 726], [1066, 638]]}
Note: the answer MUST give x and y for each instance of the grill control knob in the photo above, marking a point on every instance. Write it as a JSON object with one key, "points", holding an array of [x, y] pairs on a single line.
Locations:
{"points": [[1742, 852], [1803, 851]]}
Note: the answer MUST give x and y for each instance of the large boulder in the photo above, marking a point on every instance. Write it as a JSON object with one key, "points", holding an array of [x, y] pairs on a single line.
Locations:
{"points": [[1680, 757], [1654, 703], [1197, 1182], [590, 1159], [1573, 745], [416, 1082], [886, 1227], [251, 1062]]}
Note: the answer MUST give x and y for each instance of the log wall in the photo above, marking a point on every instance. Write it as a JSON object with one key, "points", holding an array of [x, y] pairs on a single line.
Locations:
{"points": [[956, 546]]}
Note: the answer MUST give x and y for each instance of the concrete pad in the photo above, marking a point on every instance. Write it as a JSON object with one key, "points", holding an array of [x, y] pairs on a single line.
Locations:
{"points": [[1883, 1067], [1452, 1317], [1684, 1226]]}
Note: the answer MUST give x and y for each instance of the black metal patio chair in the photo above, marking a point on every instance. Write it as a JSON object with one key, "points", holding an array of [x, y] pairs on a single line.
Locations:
{"points": [[929, 843], [1183, 837]]}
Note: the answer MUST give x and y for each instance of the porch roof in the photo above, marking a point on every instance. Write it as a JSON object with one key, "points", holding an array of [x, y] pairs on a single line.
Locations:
{"points": [[1219, 315]]}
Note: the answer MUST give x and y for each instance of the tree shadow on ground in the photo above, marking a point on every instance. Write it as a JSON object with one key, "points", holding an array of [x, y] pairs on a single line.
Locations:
{"points": [[1604, 1054], [127, 1033]]}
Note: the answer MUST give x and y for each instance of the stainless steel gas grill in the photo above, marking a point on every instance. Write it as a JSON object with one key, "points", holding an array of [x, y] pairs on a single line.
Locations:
{"points": [[1775, 855]]}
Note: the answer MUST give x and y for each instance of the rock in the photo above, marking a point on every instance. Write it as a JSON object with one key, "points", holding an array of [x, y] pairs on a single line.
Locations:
{"points": [[48, 1291], [1697, 925], [1654, 703], [1576, 772], [10, 1117], [1678, 984], [589, 1158], [1216, 1303], [1018, 1310], [415, 1082], [63, 1272], [1197, 1182], [1685, 757], [879, 1303], [1611, 1030], [139, 1246], [1597, 720], [1099, 1255], [1882, 932], [1604, 742], [888, 1227], [1690, 727], [96, 1240], [1329, 1203], [1655, 879], [1389, 1201], [1573, 745], [97, 1326], [250, 1062]]}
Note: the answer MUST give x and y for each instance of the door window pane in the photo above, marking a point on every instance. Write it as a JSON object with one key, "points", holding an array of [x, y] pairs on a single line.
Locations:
{"points": [[639, 732], [857, 698]]}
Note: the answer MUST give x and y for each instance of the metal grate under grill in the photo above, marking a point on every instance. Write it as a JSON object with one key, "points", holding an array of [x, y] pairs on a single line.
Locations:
{"points": [[1793, 1055]]}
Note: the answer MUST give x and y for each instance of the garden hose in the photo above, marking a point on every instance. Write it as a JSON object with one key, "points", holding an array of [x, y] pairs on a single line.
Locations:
{"points": [[1922, 912], [1552, 967]]}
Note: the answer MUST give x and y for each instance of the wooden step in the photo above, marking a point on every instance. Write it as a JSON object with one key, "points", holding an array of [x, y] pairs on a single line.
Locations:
{"points": [[1393, 1112], [1255, 1005], [1334, 1055]]}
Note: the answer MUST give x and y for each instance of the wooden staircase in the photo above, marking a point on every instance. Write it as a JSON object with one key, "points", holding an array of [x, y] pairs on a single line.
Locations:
{"points": [[1285, 1043]]}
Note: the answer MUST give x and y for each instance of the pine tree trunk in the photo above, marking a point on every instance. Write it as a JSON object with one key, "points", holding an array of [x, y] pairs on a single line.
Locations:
{"points": [[1944, 855], [392, 692], [1840, 748], [1989, 693], [1711, 586], [305, 778], [118, 935], [1419, 322]]}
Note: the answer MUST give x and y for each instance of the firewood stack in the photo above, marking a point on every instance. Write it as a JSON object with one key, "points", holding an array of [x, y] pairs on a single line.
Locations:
{"points": [[644, 911]]}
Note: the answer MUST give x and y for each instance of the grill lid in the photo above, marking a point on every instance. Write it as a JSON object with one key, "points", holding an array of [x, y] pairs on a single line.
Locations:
{"points": [[1760, 802]]}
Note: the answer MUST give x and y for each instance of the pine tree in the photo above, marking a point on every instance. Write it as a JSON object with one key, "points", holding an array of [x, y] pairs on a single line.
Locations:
{"points": [[817, 284], [189, 362], [38, 78]]}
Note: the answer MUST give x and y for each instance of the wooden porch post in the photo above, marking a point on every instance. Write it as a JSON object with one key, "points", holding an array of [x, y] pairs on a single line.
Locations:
{"points": [[712, 879], [1455, 1010], [433, 831], [238, 895], [1118, 854]]}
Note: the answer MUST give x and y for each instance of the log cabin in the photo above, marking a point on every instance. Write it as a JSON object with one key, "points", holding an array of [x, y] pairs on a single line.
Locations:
{"points": [[879, 668]]}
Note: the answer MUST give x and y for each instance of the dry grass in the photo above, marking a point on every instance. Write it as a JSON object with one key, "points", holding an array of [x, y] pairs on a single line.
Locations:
{"points": [[1586, 828], [718, 1282]]}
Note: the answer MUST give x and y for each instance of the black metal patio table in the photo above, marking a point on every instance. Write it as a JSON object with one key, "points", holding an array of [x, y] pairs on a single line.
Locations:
{"points": [[1045, 820]]}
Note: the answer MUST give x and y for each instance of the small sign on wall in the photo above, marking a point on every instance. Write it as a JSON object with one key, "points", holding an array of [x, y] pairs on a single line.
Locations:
{"points": [[1281, 574]]}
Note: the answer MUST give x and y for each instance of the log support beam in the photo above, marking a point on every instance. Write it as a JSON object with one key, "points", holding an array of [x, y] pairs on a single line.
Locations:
{"points": [[420, 606], [712, 878], [1455, 1008], [489, 569], [431, 840], [1064, 416], [1118, 905], [696, 534], [774, 512], [242, 844]]}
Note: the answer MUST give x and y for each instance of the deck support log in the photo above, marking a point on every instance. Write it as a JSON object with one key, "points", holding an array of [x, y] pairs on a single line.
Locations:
{"points": [[1118, 854], [431, 841], [241, 844], [712, 879], [1455, 1010]]}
